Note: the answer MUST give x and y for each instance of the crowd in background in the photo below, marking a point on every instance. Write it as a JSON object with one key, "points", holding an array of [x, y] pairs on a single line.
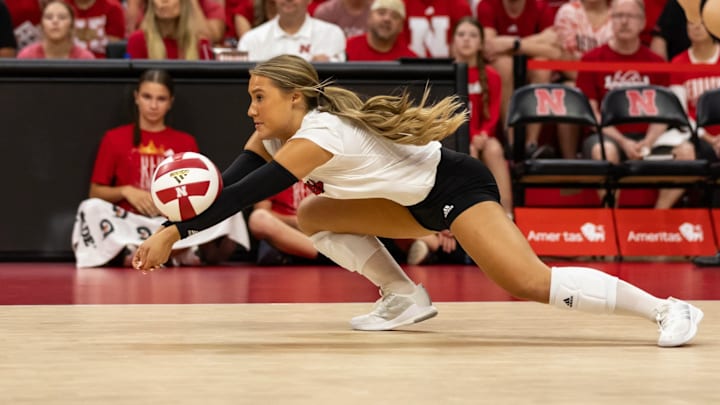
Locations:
{"points": [[483, 34]]}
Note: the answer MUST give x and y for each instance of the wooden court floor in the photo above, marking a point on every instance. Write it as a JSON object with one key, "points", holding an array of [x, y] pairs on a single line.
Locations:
{"points": [[77, 348]]}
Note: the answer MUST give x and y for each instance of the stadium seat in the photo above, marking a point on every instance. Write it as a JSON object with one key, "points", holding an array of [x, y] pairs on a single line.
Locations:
{"points": [[553, 103]]}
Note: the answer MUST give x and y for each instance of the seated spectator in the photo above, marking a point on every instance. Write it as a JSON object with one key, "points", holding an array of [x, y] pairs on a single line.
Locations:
{"points": [[58, 39], [98, 22], [120, 213], [8, 45], [208, 18], [429, 24], [294, 32], [630, 141], [484, 104], [382, 41], [243, 15], [167, 33], [669, 38], [653, 10], [581, 25], [515, 27], [273, 223], [689, 86], [350, 15]]}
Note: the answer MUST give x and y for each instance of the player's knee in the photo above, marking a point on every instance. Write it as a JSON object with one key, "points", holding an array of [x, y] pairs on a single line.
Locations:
{"points": [[260, 223]]}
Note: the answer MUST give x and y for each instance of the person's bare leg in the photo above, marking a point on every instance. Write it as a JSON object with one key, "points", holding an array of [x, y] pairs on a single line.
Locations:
{"points": [[568, 136], [265, 226], [668, 197], [494, 159]]}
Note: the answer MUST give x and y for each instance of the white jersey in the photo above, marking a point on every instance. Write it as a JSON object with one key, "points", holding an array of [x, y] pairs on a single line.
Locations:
{"points": [[365, 165], [315, 37]]}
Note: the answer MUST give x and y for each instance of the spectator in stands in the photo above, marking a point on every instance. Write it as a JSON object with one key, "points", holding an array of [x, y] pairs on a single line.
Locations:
{"points": [[167, 33], [8, 45], [294, 32], [58, 39], [484, 105], [653, 10], [515, 27], [98, 22], [581, 25], [120, 213], [273, 223], [382, 41], [428, 29], [208, 17], [350, 15], [689, 86], [631, 141], [26, 16], [669, 38]]}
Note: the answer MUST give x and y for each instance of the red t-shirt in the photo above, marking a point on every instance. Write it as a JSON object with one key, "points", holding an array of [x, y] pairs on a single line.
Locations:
{"points": [[535, 17], [478, 122], [119, 163], [245, 8], [357, 48], [287, 202], [429, 25], [36, 51], [695, 84], [93, 25], [596, 84], [137, 47]]}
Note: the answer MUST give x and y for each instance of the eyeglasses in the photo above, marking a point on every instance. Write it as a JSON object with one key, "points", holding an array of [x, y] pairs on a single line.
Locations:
{"points": [[626, 16]]}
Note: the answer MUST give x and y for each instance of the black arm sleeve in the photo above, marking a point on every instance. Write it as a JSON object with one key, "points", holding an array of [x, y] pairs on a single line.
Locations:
{"points": [[245, 163], [262, 183]]}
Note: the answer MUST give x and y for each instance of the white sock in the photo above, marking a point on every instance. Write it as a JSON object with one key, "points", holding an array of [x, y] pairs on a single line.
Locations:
{"points": [[632, 300], [383, 271]]}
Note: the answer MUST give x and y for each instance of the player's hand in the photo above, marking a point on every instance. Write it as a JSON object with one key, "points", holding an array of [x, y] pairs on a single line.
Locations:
{"points": [[155, 251], [448, 244], [141, 200]]}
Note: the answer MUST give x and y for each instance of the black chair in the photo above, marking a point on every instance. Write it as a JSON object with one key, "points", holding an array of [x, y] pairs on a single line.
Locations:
{"points": [[652, 104], [116, 49], [708, 113], [553, 103]]}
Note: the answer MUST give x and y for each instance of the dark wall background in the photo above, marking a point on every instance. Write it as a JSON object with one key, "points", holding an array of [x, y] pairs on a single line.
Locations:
{"points": [[54, 113]]}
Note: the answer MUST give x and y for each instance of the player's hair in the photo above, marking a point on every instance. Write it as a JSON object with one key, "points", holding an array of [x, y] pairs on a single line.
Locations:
{"points": [[151, 76], [479, 63], [392, 117], [185, 33]]}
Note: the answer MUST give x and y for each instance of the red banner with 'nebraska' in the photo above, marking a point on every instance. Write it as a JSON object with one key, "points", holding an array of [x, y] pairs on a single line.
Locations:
{"points": [[567, 231], [673, 232]]}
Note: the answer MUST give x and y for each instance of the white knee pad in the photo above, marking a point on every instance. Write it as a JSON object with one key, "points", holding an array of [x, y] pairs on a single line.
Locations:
{"points": [[349, 250], [584, 289]]}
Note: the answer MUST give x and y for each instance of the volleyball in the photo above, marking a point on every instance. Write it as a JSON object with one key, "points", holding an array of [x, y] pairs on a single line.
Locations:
{"points": [[185, 185]]}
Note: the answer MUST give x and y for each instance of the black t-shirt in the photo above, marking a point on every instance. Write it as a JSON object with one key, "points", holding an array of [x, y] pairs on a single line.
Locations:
{"points": [[7, 37], [672, 27]]}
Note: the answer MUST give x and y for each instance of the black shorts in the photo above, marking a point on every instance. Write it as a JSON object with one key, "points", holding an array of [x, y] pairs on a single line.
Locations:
{"points": [[461, 182]]}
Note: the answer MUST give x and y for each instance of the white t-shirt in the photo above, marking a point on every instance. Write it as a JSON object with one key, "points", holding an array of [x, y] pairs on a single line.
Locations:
{"points": [[315, 37], [366, 165]]}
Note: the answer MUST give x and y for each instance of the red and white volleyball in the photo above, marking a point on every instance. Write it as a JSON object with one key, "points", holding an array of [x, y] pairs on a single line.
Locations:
{"points": [[185, 185]]}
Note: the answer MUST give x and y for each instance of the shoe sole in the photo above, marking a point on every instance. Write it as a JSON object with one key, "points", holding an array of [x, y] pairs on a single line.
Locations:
{"points": [[414, 314], [696, 315]]}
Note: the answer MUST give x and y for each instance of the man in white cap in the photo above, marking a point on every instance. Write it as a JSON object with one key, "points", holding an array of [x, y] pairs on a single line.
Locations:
{"points": [[382, 42]]}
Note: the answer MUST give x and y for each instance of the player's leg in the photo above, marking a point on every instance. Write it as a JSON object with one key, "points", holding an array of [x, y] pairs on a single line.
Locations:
{"points": [[340, 230], [503, 253]]}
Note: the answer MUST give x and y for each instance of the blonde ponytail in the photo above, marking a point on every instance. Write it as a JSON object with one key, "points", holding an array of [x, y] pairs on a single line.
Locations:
{"points": [[392, 117]]}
